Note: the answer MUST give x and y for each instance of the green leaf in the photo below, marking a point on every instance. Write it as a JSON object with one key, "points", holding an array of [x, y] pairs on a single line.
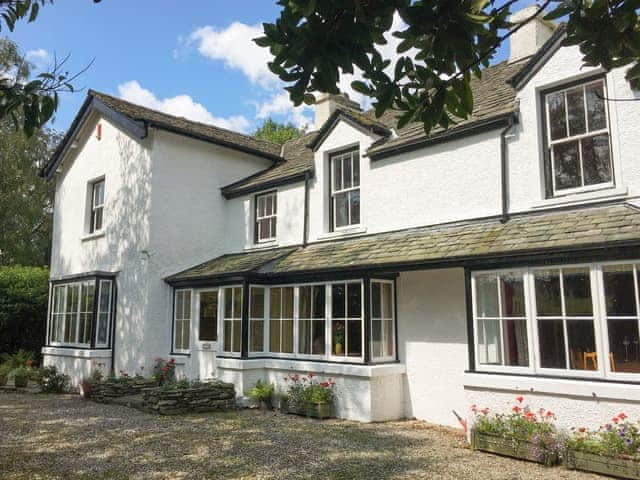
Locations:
{"points": [[360, 87]]}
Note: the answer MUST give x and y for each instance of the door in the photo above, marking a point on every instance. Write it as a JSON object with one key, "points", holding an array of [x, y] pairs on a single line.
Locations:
{"points": [[206, 334]]}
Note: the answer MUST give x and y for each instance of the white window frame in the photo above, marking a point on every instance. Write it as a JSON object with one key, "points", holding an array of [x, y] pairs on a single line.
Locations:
{"points": [[282, 318], [354, 154], [233, 319], [264, 319], [382, 319], [599, 322], [180, 319], [59, 323], [101, 283], [268, 216], [298, 319], [96, 206], [579, 137], [329, 297]]}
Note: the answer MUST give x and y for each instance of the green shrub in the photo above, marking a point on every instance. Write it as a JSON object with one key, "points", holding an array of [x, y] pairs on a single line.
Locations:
{"points": [[21, 375], [262, 391], [50, 381], [24, 292]]}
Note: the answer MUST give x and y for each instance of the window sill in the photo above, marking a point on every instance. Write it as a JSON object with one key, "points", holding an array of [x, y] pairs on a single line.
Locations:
{"points": [[262, 245], [596, 389], [606, 193], [343, 232], [76, 352], [316, 367], [93, 236]]}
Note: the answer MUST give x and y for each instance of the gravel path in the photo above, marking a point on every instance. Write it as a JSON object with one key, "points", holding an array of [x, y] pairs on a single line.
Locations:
{"points": [[61, 436]]}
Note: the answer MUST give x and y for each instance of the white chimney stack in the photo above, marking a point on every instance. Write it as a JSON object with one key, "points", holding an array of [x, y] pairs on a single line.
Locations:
{"points": [[328, 103], [526, 41]]}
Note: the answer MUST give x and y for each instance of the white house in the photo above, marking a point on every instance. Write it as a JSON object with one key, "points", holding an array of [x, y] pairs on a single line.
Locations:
{"points": [[423, 273]]}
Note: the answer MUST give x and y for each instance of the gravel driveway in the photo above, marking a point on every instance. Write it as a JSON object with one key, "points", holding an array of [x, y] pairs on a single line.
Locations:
{"points": [[61, 436]]}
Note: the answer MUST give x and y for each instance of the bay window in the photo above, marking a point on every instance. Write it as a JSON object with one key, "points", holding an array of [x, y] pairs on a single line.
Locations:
{"points": [[256, 319], [281, 319], [577, 138], [76, 318], [311, 320], [579, 321], [383, 341], [182, 321], [232, 321], [346, 319]]}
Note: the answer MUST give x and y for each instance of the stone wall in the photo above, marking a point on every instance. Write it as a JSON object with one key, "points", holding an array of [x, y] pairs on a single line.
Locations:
{"points": [[205, 397], [104, 392]]}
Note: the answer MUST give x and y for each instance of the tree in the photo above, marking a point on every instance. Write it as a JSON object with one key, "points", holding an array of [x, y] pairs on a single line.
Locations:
{"points": [[443, 43], [277, 132], [31, 103], [26, 200]]}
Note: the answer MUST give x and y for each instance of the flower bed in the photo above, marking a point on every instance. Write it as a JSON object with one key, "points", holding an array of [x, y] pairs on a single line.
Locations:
{"points": [[308, 396], [185, 397], [521, 434], [613, 449]]}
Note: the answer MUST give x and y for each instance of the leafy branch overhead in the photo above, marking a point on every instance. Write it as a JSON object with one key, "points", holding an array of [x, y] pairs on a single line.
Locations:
{"points": [[443, 44], [30, 103]]}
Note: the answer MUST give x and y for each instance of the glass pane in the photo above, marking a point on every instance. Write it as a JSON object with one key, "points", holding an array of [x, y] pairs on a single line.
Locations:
{"points": [[304, 336], [516, 350], [376, 338], [575, 111], [582, 340], [376, 300], [256, 341], [257, 302], [619, 290], [272, 227], [103, 324], [237, 302], [318, 302], [237, 335], [97, 222], [287, 302], [596, 108], [354, 338], [287, 336], [389, 338], [81, 327], [274, 205], [512, 287], [551, 338], [354, 199], [186, 334], [596, 162], [356, 168], [577, 292], [557, 115], [274, 336], [104, 305], [268, 200], [275, 302], [567, 165], [338, 300], [623, 345], [337, 174], [547, 286], [208, 316], [187, 304], [486, 295], [341, 212], [262, 205], [263, 229], [354, 300], [337, 337], [178, 335], [318, 337], [346, 172], [489, 342], [228, 302], [227, 335], [387, 301], [304, 302]]}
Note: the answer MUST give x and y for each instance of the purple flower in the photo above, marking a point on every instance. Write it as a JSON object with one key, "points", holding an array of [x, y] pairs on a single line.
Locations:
{"points": [[629, 441]]}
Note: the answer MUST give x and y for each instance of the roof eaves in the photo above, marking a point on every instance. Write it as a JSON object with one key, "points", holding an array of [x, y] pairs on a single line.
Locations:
{"points": [[380, 152], [341, 114], [538, 59], [235, 190]]}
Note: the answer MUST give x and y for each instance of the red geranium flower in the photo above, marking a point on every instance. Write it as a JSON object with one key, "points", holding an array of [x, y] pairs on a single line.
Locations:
{"points": [[615, 419], [516, 408], [520, 399], [582, 429], [622, 416]]}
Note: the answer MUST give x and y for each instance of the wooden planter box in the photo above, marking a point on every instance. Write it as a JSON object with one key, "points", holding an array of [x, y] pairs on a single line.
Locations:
{"points": [[612, 466], [314, 410], [509, 447]]}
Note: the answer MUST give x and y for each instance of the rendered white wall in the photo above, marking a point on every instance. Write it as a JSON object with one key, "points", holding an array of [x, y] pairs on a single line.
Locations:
{"points": [[433, 343]]}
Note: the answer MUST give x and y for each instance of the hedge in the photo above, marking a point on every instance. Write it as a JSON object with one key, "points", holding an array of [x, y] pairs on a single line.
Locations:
{"points": [[23, 308]]}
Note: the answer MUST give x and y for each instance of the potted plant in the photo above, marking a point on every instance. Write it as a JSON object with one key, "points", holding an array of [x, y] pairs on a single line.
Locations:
{"points": [[21, 376], [262, 393], [613, 449], [308, 396], [521, 434]]}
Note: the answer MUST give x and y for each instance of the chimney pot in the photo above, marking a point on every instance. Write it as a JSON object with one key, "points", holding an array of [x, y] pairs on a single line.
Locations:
{"points": [[327, 103]]}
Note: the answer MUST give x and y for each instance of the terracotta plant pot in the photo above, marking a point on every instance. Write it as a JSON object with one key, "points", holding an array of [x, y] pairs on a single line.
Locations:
{"points": [[21, 381]]}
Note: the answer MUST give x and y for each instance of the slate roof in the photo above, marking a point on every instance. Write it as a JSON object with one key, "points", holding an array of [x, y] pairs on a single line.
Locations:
{"points": [[189, 127], [452, 244]]}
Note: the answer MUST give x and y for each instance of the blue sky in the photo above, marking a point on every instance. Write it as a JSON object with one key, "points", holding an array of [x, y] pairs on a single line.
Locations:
{"points": [[193, 59]]}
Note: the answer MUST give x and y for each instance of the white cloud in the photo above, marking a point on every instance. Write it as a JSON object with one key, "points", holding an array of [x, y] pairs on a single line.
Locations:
{"points": [[180, 105], [235, 47], [39, 57], [280, 104]]}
